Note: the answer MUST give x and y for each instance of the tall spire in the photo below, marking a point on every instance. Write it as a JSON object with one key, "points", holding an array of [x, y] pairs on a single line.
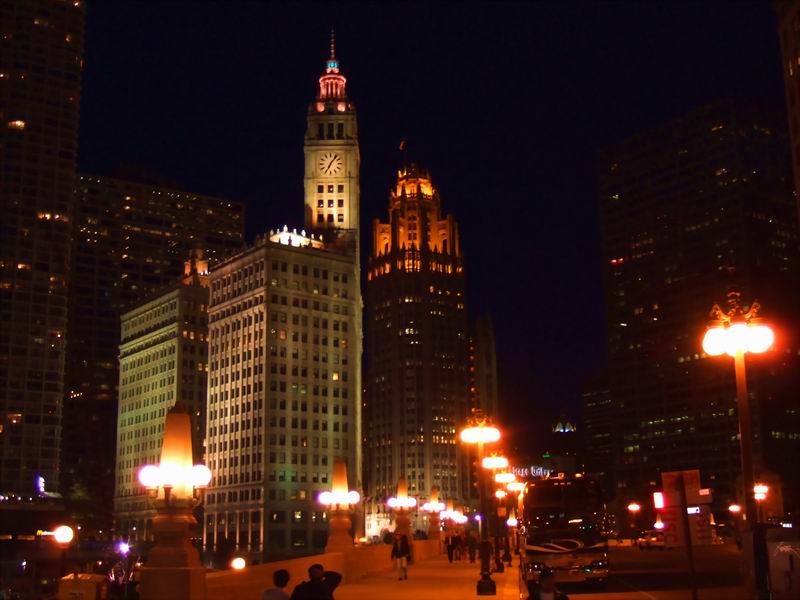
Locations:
{"points": [[331, 84]]}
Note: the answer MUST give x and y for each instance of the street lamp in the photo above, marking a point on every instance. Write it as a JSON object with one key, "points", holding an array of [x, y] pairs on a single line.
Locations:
{"points": [[340, 500], [736, 333], [479, 433], [175, 487], [434, 508], [401, 504], [633, 509], [63, 534], [238, 563]]}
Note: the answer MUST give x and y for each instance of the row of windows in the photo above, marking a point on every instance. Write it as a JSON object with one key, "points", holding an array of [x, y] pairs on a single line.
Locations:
{"points": [[322, 218]]}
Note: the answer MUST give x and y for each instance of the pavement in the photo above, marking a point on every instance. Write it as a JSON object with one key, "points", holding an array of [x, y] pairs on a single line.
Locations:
{"points": [[635, 575], [434, 579]]}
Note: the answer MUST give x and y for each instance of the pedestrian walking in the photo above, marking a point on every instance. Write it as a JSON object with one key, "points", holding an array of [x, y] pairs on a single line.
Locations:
{"points": [[280, 579], [320, 584], [401, 553], [458, 546], [450, 545], [472, 546]]}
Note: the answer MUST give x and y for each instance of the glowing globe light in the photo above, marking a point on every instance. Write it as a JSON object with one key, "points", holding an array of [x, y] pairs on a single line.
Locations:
{"points": [[407, 502], [150, 476], [760, 491], [495, 462], [505, 477], [634, 507], [200, 476], [500, 494], [63, 534], [238, 563], [123, 548], [339, 498], [483, 434], [739, 337], [433, 507], [659, 524], [735, 508], [512, 522], [761, 338]]}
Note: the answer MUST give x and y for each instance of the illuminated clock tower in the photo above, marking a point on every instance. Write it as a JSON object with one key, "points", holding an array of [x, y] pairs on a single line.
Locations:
{"points": [[331, 155]]}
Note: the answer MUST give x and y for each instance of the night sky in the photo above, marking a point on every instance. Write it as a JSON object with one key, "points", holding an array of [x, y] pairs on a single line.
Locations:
{"points": [[506, 104]]}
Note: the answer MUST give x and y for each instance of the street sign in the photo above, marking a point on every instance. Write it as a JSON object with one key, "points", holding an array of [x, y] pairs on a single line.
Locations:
{"points": [[696, 498], [691, 479]]}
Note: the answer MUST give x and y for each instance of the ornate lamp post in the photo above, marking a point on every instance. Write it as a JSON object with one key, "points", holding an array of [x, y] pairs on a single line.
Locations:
{"points": [[401, 504], [340, 500], [479, 433], [175, 486], [736, 333], [434, 508], [505, 479]]}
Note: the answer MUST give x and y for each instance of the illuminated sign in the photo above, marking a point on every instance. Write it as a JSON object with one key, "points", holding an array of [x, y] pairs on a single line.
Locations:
{"points": [[532, 471]]}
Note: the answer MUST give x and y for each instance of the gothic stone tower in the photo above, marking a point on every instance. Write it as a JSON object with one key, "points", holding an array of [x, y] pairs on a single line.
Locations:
{"points": [[417, 391]]}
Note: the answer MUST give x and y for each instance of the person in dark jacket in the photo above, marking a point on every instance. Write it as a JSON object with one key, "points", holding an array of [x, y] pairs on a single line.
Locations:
{"points": [[472, 545], [546, 590], [448, 543], [401, 553], [320, 584]]}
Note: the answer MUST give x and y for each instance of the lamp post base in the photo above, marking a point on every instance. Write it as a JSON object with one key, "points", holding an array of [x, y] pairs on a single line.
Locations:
{"points": [[486, 587], [173, 568]]}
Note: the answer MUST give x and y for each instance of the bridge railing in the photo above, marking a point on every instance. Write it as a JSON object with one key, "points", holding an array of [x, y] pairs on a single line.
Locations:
{"points": [[353, 564]]}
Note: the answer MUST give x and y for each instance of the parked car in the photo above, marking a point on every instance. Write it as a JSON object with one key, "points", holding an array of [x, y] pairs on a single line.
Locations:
{"points": [[650, 540]]}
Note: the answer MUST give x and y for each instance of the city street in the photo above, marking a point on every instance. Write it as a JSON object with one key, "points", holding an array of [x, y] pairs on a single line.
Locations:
{"points": [[637, 575], [662, 575]]}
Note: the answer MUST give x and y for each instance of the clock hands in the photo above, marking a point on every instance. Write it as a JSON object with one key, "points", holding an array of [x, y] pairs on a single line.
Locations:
{"points": [[328, 167]]}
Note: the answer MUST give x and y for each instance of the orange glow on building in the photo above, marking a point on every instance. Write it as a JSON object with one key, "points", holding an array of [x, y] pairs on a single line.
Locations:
{"points": [[417, 236]]}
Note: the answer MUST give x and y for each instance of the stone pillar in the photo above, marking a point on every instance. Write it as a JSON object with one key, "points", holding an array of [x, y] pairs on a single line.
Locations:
{"points": [[173, 569], [339, 538]]}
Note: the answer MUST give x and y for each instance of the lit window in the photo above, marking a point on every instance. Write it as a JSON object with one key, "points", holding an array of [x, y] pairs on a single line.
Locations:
{"points": [[330, 203], [17, 124], [320, 203], [340, 218]]}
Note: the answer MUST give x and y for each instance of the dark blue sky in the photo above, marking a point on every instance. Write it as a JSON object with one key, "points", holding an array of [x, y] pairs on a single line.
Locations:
{"points": [[507, 105]]}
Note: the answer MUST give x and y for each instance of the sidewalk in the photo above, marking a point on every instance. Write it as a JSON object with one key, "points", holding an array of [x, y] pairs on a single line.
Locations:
{"points": [[434, 579]]}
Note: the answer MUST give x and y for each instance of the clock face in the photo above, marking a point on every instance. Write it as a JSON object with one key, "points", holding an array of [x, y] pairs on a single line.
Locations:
{"points": [[330, 163]]}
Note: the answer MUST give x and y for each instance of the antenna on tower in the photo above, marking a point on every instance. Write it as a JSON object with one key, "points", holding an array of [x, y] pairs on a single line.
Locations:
{"points": [[333, 43]]}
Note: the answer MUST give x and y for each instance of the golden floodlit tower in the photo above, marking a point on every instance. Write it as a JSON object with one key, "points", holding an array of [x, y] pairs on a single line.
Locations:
{"points": [[331, 155], [417, 392]]}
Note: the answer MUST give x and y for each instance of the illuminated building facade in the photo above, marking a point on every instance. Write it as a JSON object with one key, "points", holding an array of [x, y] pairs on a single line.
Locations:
{"points": [[691, 210], [130, 241], [417, 380], [284, 396], [163, 359], [41, 58]]}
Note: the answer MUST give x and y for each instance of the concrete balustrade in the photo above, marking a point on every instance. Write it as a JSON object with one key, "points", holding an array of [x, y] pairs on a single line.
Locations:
{"points": [[355, 564]]}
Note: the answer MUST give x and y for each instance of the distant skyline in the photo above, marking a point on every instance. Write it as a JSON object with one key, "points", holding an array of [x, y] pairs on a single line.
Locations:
{"points": [[506, 104]]}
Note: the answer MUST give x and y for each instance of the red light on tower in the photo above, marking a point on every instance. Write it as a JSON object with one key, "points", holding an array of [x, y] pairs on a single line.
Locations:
{"points": [[658, 500]]}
